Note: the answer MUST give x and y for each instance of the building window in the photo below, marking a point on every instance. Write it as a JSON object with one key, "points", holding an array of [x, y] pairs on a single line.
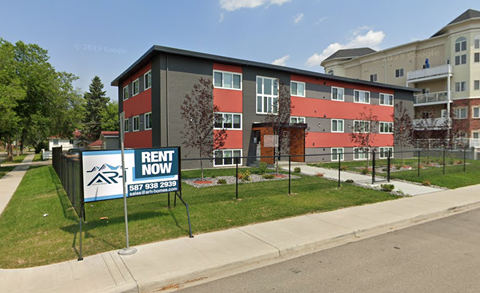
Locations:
{"points": [[476, 85], [148, 80], [361, 126], [147, 118], [267, 95], [55, 142], [330, 72], [373, 77], [136, 123], [476, 112], [337, 94], [461, 86], [297, 120], [476, 58], [386, 127], [360, 154], [297, 88], [337, 153], [477, 42], [386, 99], [461, 59], [461, 44], [460, 113], [227, 80], [126, 124], [362, 97], [399, 72], [135, 87], [228, 121], [225, 157], [337, 125], [383, 152], [125, 93]]}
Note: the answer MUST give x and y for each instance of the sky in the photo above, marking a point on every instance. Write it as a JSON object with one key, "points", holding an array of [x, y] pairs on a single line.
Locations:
{"points": [[104, 37]]}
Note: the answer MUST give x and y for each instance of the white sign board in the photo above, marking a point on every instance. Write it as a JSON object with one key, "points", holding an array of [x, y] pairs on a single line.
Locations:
{"points": [[147, 171]]}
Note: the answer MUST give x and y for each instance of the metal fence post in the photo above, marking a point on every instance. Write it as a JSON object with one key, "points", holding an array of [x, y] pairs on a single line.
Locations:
{"points": [[236, 178], [289, 173], [373, 166], [418, 164], [388, 164], [339, 168], [464, 159], [444, 150]]}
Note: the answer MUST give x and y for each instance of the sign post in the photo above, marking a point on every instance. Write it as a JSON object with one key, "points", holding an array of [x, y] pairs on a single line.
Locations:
{"points": [[127, 250]]}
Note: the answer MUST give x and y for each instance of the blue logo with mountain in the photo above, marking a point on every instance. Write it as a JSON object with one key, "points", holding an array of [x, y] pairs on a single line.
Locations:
{"points": [[107, 174], [106, 167]]}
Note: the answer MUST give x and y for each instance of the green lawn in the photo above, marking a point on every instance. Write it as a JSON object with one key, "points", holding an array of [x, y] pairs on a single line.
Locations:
{"points": [[431, 170], [34, 239], [16, 160], [5, 169]]}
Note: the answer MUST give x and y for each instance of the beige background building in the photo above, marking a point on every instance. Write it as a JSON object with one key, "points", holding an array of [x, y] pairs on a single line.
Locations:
{"points": [[446, 67]]}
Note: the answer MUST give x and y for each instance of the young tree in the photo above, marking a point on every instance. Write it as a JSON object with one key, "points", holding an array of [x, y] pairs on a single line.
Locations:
{"points": [[402, 128], [198, 112], [96, 105], [279, 123], [364, 131]]}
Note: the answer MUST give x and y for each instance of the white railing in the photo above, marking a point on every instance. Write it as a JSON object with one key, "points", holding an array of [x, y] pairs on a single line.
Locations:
{"points": [[438, 97], [431, 123], [440, 71]]}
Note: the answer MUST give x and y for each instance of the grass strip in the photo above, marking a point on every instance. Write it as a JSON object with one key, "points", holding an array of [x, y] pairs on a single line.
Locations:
{"points": [[39, 226]]}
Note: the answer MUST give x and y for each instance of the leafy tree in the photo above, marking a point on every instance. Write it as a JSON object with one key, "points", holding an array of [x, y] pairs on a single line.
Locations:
{"points": [[11, 94], [50, 104], [364, 132], [402, 128], [110, 121], [198, 112], [96, 105]]}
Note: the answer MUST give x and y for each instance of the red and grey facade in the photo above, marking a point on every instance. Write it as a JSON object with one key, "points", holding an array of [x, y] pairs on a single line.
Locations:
{"points": [[152, 90]]}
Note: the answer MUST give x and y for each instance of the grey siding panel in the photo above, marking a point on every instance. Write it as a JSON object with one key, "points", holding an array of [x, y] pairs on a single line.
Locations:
{"points": [[156, 105], [250, 115], [178, 74]]}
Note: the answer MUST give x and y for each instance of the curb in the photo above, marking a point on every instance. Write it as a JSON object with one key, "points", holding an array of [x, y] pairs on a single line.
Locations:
{"points": [[183, 280]]}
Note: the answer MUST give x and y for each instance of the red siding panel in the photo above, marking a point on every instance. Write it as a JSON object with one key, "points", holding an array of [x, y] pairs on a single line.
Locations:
{"points": [[327, 140], [139, 139], [228, 100], [309, 107]]}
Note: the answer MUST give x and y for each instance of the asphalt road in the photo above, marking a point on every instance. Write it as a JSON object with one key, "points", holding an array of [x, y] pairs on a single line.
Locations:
{"points": [[439, 256]]}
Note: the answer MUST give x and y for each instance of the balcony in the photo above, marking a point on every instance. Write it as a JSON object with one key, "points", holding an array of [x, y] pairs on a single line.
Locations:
{"points": [[431, 99], [431, 73], [431, 124]]}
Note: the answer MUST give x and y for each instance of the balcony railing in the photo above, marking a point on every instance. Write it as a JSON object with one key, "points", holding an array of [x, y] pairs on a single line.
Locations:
{"points": [[431, 123], [432, 98], [437, 71]]}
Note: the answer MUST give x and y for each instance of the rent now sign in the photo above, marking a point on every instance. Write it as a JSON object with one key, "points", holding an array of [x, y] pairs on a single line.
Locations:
{"points": [[147, 171]]}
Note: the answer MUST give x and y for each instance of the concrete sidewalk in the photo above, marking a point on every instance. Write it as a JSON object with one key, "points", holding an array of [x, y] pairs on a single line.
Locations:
{"points": [[212, 255], [407, 188], [10, 182]]}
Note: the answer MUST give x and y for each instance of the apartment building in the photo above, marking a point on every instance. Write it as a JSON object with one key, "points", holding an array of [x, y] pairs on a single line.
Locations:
{"points": [[325, 107], [446, 67]]}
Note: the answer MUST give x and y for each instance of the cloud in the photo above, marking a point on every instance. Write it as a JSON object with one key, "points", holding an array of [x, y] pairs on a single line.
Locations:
{"points": [[221, 18], [298, 18], [320, 20], [232, 5], [370, 39], [281, 61]]}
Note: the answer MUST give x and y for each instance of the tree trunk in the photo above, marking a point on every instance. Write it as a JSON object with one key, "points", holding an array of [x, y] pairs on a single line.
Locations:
{"points": [[201, 168], [9, 149]]}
